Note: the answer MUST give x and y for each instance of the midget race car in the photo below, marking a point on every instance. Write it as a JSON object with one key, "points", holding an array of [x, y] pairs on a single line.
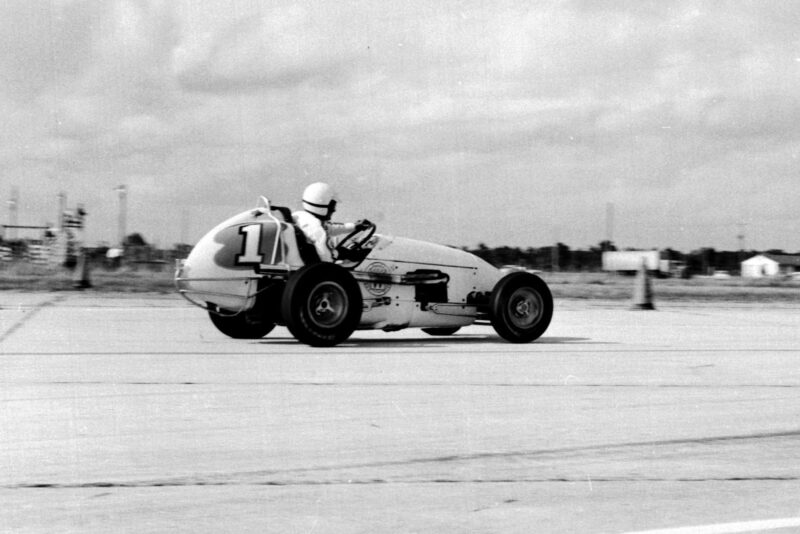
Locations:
{"points": [[256, 270]]}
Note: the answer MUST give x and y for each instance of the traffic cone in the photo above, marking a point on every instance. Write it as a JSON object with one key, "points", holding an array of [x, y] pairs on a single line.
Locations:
{"points": [[81, 278], [642, 291]]}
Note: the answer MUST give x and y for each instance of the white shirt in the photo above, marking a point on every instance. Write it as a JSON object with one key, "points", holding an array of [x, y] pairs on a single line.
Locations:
{"points": [[321, 234]]}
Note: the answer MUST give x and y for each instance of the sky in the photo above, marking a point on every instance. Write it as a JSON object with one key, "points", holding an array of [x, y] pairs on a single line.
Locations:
{"points": [[655, 124]]}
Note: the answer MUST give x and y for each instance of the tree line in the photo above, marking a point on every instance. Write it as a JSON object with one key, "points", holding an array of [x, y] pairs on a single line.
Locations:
{"points": [[561, 257]]}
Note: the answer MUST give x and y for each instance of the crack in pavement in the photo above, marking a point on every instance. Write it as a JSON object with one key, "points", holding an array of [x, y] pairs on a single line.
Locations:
{"points": [[402, 384], [182, 483], [30, 315], [283, 477]]}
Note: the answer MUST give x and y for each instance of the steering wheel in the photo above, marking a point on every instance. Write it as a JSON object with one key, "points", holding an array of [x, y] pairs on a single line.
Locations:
{"points": [[353, 243]]}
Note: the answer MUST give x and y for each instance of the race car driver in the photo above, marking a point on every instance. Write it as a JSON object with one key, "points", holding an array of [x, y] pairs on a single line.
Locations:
{"points": [[319, 204]]}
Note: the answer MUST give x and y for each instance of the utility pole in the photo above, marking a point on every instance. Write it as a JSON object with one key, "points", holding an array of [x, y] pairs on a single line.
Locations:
{"points": [[62, 207], [610, 222], [740, 236], [554, 259], [122, 191], [13, 206], [184, 226]]}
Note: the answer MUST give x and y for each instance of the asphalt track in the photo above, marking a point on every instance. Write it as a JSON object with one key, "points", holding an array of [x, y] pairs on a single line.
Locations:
{"points": [[132, 414]]}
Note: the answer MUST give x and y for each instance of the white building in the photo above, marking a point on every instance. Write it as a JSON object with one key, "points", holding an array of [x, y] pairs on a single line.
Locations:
{"points": [[770, 265], [631, 260]]}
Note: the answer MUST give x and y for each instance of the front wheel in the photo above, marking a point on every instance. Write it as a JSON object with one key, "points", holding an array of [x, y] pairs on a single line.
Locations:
{"points": [[242, 325], [521, 307], [321, 304]]}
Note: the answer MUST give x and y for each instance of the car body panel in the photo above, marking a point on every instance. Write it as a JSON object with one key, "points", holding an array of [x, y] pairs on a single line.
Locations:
{"points": [[465, 274]]}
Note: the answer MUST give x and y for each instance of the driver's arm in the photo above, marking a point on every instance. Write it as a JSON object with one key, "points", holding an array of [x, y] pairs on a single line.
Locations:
{"points": [[335, 233], [335, 229]]}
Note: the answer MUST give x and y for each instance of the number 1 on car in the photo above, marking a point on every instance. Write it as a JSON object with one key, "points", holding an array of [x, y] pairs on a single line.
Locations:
{"points": [[251, 247]]}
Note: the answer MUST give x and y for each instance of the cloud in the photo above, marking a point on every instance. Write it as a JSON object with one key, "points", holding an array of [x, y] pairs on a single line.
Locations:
{"points": [[44, 43], [276, 48], [543, 112]]}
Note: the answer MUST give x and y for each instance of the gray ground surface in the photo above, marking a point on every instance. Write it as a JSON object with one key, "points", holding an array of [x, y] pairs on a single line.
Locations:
{"points": [[133, 414]]}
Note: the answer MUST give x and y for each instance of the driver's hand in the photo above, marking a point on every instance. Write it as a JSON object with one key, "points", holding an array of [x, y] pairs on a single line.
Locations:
{"points": [[363, 224]]}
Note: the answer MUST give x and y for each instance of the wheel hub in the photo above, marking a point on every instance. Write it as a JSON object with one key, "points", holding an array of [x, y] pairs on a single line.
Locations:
{"points": [[328, 304], [525, 308], [323, 306]]}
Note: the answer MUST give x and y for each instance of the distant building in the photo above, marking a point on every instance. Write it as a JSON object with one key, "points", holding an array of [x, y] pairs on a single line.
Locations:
{"points": [[764, 265], [630, 261]]}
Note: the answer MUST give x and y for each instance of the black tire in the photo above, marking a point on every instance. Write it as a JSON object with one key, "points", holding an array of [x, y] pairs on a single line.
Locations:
{"points": [[442, 331], [241, 326], [321, 304], [521, 307]]}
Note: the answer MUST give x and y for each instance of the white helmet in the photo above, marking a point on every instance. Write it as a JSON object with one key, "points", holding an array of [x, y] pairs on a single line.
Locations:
{"points": [[319, 199]]}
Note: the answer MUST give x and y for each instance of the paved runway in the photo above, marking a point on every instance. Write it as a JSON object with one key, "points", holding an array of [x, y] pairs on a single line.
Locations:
{"points": [[132, 414]]}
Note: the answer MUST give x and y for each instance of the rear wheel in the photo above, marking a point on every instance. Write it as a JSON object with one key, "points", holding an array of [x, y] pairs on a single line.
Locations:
{"points": [[242, 325], [521, 307], [442, 331], [321, 304]]}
